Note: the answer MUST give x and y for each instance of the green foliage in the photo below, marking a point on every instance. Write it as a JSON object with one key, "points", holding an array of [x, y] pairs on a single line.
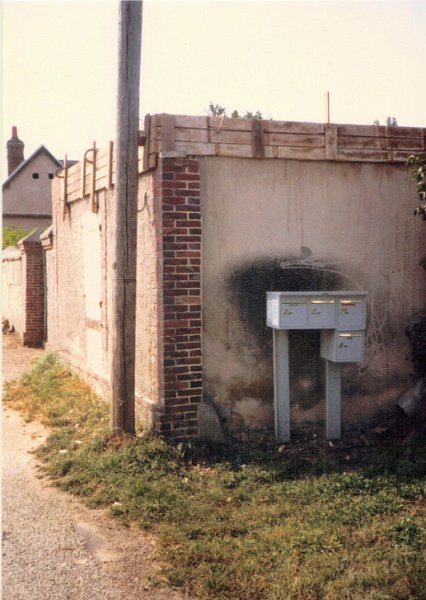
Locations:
{"points": [[12, 235], [240, 522], [216, 110], [417, 164], [390, 122]]}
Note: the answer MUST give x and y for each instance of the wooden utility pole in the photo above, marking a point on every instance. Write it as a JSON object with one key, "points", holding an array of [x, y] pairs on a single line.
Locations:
{"points": [[124, 215]]}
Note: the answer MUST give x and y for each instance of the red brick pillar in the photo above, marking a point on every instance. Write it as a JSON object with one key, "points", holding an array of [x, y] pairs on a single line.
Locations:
{"points": [[32, 289], [178, 190]]}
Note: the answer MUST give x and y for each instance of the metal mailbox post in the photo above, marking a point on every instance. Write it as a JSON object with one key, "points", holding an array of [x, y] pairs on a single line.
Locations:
{"points": [[341, 317]]}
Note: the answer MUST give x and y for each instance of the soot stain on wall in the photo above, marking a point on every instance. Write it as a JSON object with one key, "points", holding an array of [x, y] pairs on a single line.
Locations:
{"points": [[246, 286]]}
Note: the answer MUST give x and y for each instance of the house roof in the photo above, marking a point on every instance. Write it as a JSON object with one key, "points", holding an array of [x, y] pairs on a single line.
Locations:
{"points": [[25, 163]]}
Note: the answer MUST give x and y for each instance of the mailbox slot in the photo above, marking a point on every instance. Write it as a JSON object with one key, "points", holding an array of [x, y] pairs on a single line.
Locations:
{"points": [[339, 346], [322, 313], [293, 313], [351, 314]]}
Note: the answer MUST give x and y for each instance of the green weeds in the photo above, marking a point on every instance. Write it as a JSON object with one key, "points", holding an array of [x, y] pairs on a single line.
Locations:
{"points": [[240, 522]]}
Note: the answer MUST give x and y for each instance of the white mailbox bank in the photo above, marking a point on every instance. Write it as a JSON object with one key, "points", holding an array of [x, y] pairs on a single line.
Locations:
{"points": [[341, 318]]}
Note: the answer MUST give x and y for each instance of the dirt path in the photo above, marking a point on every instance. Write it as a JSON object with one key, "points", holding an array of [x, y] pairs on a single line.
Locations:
{"points": [[53, 546]]}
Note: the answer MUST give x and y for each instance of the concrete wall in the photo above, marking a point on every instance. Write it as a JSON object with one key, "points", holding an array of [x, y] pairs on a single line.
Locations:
{"points": [[296, 225]]}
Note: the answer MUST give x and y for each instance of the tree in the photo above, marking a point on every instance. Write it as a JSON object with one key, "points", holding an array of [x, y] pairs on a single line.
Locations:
{"points": [[12, 235], [417, 164]]}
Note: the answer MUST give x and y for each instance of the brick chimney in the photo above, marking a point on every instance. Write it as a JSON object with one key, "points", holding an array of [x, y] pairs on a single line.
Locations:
{"points": [[15, 151]]}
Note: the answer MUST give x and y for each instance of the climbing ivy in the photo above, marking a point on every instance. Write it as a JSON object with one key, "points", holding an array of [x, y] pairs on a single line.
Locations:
{"points": [[417, 164]]}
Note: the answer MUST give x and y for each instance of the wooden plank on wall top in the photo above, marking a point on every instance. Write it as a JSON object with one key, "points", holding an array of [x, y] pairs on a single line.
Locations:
{"points": [[296, 139], [362, 142], [168, 133], [190, 135], [227, 136], [379, 131], [293, 127], [258, 142], [239, 151], [414, 144], [359, 155], [330, 141], [299, 153], [380, 143], [195, 148], [185, 121]]}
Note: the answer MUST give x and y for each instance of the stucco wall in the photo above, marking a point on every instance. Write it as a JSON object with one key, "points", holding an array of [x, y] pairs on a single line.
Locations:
{"points": [[298, 225], [12, 302]]}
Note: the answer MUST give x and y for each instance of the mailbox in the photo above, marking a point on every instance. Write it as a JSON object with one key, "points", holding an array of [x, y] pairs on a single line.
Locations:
{"points": [[342, 346], [351, 313], [344, 311], [287, 311], [322, 313], [341, 318]]}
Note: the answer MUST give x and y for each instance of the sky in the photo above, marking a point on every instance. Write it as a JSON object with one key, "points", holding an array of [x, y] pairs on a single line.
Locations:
{"points": [[59, 62]]}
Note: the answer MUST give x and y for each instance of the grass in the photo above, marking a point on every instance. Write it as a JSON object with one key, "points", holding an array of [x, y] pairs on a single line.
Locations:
{"points": [[241, 522]]}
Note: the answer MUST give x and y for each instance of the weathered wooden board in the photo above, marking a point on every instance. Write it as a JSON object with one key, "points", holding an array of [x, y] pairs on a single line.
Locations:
{"points": [[380, 143], [186, 121], [379, 130], [301, 153], [292, 127], [296, 140], [196, 148], [226, 136], [246, 138], [414, 144], [191, 135], [361, 142], [241, 151], [364, 155]]}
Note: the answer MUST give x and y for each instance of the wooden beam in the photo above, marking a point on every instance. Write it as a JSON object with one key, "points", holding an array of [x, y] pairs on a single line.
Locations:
{"points": [[124, 215], [168, 133], [258, 143]]}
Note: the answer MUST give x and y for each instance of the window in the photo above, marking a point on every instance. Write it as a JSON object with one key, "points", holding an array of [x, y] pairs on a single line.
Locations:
{"points": [[35, 175], [50, 175]]}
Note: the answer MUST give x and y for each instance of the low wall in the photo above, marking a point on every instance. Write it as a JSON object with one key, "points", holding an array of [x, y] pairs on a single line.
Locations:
{"points": [[12, 309], [23, 289]]}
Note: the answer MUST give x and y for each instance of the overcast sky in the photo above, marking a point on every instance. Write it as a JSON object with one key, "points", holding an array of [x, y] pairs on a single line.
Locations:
{"points": [[279, 57]]}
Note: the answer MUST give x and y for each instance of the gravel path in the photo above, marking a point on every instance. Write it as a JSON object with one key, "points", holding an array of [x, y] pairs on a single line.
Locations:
{"points": [[54, 548]]}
